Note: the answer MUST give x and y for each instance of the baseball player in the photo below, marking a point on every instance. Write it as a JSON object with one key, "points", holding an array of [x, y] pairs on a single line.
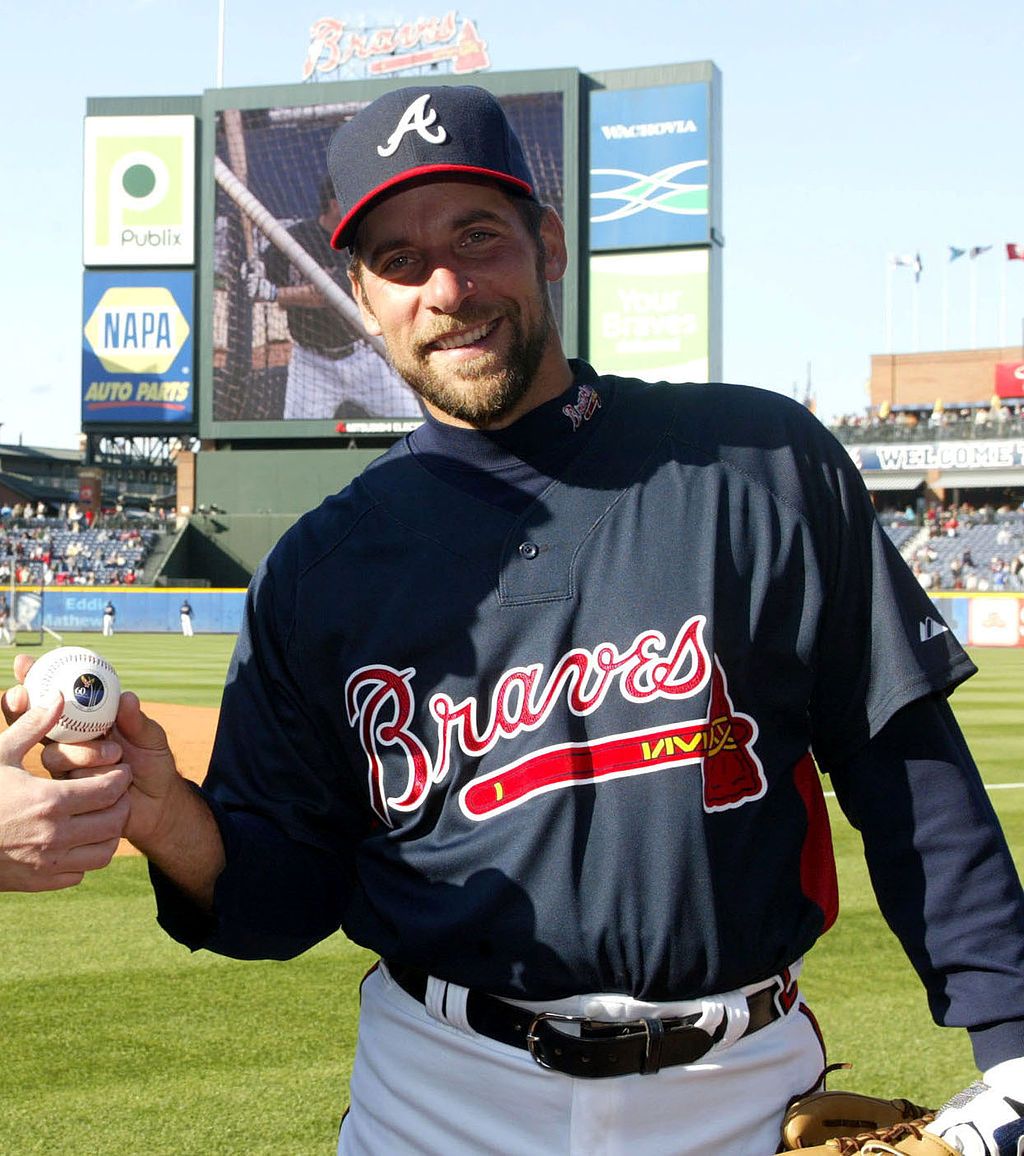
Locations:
{"points": [[333, 371], [109, 614], [536, 709], [185, 616]]}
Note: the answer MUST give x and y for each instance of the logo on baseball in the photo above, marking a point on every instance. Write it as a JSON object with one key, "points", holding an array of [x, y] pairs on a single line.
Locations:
{"points": [[90, 687]]}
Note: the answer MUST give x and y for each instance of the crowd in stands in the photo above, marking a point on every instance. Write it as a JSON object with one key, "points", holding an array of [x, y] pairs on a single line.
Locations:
{"points": [[960, 547], [991, 420], [72, 548]]}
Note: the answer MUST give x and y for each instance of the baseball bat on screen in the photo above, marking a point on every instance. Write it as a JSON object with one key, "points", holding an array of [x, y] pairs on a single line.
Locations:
{"points": [[281, 239], [234, 137]]}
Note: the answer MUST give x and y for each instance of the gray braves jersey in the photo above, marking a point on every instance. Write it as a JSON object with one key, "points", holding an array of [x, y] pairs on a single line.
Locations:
{"points": [[565, 744]]}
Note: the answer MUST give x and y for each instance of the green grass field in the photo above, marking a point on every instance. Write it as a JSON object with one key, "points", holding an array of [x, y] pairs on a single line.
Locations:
{"points": [[119, 1041], [158, 667]]}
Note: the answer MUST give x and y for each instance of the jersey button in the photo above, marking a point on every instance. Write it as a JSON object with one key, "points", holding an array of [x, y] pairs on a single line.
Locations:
{"points": [[529, 550]]}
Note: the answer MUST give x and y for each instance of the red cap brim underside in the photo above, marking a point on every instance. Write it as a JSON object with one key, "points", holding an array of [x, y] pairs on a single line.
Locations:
{"points": [[339, 240]]}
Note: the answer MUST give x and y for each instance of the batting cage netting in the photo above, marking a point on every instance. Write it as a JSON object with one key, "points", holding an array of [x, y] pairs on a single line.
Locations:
{"points": [[288, 342]]}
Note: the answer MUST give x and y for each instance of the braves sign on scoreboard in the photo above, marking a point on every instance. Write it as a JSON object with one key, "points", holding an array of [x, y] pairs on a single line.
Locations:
{"points": [[650, 167], [428, 44], [137, 348]]}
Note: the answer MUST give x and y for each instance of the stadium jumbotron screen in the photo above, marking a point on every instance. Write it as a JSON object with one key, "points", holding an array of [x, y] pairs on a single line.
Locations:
{"points": [[287, 342]]}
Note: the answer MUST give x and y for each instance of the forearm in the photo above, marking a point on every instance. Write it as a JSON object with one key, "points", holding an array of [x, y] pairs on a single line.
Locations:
{"points": [[186, 847], [275, 898], [942, 873]]}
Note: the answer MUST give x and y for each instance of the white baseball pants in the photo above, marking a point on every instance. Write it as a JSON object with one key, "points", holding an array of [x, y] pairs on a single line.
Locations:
{"points": [[422, 1087]]}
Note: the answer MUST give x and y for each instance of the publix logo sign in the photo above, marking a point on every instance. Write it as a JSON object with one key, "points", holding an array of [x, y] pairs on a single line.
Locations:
{"points": [[139, 182]]}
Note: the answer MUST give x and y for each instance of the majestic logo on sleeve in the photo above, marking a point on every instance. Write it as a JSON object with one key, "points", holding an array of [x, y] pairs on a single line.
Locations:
{"points": [[381, 705]]}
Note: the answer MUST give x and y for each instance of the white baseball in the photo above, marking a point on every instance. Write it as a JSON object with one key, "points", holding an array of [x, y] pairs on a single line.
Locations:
{"points": [[90, 687]]}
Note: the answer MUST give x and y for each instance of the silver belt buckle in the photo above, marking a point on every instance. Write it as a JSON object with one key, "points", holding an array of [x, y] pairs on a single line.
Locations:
{"points": [[532, 1039]]}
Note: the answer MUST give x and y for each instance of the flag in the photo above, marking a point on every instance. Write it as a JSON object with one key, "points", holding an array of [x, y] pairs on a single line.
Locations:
{"points": [[955, 252], [1015, 252], [910, 260], [977, 250]]}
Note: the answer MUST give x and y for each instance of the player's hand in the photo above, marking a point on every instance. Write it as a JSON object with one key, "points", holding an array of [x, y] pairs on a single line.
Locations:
{"points": [[987, 1118], [141, 743], [52, 832], [257, 284], [167, 821]]}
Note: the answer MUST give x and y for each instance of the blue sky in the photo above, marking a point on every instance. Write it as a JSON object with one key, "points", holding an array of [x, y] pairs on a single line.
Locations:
{"points": [[850, 131]]}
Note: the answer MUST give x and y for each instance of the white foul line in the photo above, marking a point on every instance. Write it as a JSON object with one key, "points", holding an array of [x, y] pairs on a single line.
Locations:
{"points": [[988, 787]]}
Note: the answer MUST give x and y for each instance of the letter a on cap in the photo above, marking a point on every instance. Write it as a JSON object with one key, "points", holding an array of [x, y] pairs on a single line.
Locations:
{"points": [[415, 119], [400, 137]]}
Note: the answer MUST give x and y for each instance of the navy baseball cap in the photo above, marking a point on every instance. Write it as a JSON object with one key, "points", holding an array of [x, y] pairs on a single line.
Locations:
{"points": [[422, 131]]}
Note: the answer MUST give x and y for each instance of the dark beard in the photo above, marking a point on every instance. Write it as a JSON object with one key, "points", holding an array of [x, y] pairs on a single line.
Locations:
{"points": [[508, 386]]}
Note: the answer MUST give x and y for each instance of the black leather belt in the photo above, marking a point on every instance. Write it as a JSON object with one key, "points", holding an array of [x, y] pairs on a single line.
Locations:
{"points": [[603, 1048]]}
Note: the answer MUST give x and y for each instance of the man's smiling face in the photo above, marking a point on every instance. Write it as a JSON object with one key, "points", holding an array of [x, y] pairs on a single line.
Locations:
{"points": [[448, 273]]}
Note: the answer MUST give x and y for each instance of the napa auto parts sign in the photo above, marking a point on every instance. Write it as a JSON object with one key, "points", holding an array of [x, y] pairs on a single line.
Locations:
{"points": [[137, 347], [438, 44]]}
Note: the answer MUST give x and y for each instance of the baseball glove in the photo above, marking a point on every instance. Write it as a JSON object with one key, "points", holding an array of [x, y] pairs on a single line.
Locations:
{"points": [[844, 1123], [900, 1140]]}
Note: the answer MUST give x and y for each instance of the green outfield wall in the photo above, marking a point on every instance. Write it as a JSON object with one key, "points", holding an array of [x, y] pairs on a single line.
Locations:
{"points": [[248, 497]]}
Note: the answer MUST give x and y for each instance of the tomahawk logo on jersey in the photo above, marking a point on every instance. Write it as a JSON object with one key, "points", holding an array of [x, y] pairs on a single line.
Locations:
{"points": [[381, 705], [588, 402]]}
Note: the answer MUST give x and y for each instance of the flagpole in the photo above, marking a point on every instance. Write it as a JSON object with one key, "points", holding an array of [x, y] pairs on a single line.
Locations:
{"points": [[945, 306], [917, 314], [1002, 305], [974, 306], [888, 306], [220, 44]]}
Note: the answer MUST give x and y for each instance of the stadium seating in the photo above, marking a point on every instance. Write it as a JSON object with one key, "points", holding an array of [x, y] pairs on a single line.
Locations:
{"points": [[55, 551], [980, 555]]}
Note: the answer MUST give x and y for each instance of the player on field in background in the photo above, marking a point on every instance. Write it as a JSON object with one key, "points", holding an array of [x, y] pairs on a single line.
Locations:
{"points": [[6, 637], [536, 708], [185, 614], [332, 372], [109, 614]]}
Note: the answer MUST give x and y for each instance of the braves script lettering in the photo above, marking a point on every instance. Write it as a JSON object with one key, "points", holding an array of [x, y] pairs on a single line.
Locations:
{"points": [[331, 46], [380, 704]]}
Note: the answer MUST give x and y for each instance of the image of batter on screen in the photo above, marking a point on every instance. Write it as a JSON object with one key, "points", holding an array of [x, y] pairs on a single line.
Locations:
{"points": [[333, 371]]}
